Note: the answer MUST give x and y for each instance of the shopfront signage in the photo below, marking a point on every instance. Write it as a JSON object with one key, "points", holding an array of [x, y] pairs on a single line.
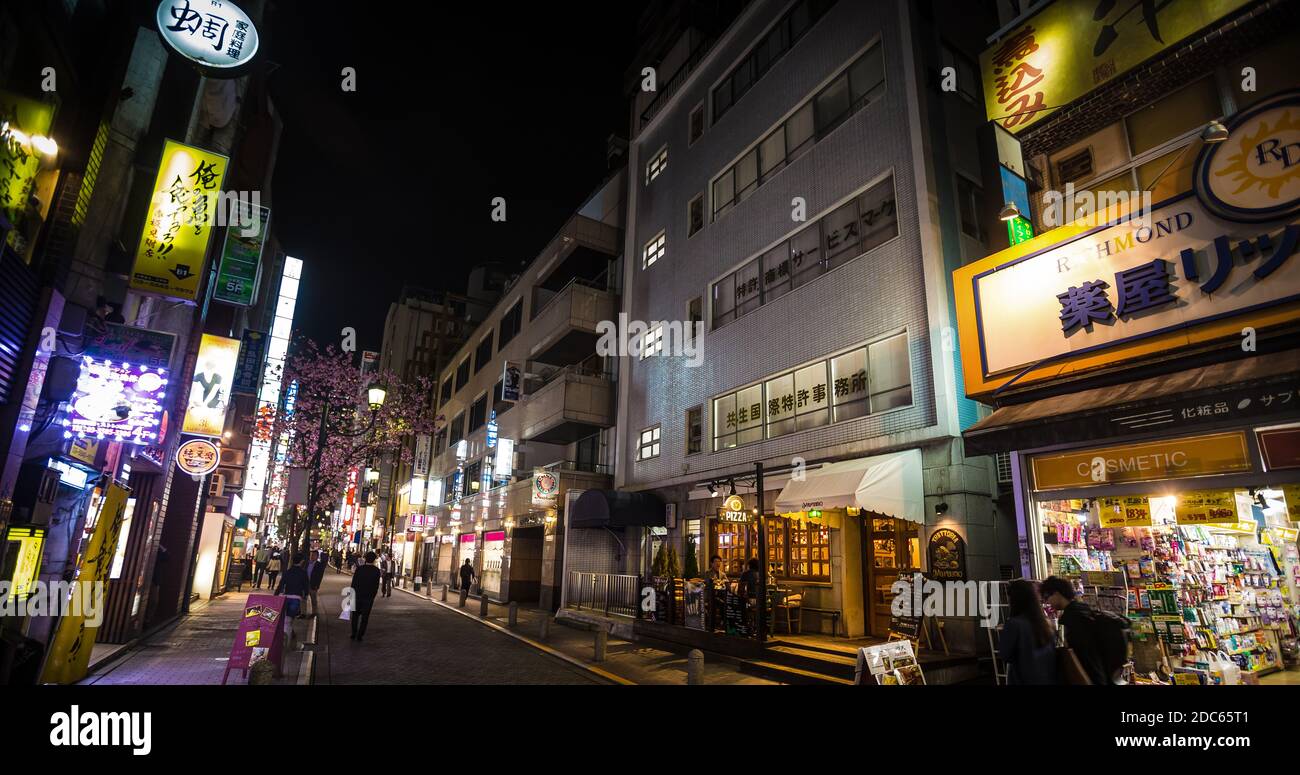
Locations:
{"points": [[512, 384], [1200, 507], [198, 457], [1253, 175], [1279, 447], [122, 388], [248, 367], [241, 255], [503, 466], [546, 486], [946, 552], [733, 510], [1072, 47], [260, 634], [182, 213], [25, 546], [85, 450], [1291, 493], [1216, 453], [1125, 512], [214, 371], [216, 35], [24, 129]]}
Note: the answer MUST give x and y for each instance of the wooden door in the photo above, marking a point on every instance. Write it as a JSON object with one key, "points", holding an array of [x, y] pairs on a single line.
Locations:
{"points": [[891, 548]]}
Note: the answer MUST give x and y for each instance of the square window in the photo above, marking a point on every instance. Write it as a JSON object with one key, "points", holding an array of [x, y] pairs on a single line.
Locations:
{"points": [[654, 250], [656, 165], [724, 192], [648, 444]]}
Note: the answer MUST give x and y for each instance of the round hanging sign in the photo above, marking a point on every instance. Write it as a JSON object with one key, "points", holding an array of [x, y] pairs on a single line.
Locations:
{"points": [[216, 35], [198, 457], [1254, 175]]}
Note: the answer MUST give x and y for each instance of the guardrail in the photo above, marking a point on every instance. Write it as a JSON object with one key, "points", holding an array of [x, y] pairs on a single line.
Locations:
{"points": [[607, 593]]}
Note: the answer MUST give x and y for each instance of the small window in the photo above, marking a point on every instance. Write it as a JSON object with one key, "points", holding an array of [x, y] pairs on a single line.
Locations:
{"points": [[483, 354], [724, 193], [648, 444], [478, 413], [445, 396], [1076, 167], [656, 165], [695, 215], [694, 315], [970, 201], [695, 127], [511, 323], [724, 301], [654, 250], [457, 429], [462, 374], [831, 105], [652, 342], [694, 430]]}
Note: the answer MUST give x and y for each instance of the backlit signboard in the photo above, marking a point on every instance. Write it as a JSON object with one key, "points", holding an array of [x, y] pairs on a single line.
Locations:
{"points": [[214, 371]]}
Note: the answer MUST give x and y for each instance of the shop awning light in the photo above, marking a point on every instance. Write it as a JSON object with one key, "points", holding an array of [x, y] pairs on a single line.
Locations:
{"points": [[1009, 212], [1214, 132]]}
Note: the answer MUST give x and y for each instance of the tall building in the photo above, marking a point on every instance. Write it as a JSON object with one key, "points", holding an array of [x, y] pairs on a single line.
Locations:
{"points": [[802, 183]]}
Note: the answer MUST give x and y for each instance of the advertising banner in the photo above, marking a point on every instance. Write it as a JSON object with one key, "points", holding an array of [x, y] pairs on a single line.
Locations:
{"points": [[241, 256], [260, 634], [120, 392], [248, 367], [214, 371]]}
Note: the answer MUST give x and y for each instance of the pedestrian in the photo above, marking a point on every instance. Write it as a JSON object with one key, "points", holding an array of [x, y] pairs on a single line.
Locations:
{"points": [[467, 575], [365, 585], [260, 559], [273, 568], [1028, 643], [1096, 637], [316, 574], [352, 560], [386, 569], [296, 586], [716, 571]]}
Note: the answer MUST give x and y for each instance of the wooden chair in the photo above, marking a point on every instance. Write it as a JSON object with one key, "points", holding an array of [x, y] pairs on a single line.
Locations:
{"points": [[789, 607]]}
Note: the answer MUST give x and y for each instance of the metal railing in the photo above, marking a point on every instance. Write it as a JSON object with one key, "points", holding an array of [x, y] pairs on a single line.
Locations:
{"points": [[542, 302], [608, 593]]}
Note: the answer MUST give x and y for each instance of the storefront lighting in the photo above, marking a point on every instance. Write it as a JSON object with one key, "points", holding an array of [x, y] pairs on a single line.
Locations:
{"points": [[1009, 212], [376, 395], [815, 513], [940, 508], [45, 145], [1214, 132]]}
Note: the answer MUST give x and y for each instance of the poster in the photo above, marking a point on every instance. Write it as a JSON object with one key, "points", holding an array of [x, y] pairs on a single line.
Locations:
{"points": [[241, 256], [214, 371], [1199, 507], [1133, 511], [22, 559], [69, 654], [182, 213]]}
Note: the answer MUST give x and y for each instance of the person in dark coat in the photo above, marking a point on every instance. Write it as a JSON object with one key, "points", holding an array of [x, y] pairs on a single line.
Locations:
{"points": [[1078, 620], [365, 585], [466, 575], [295, 584], [1028, 643], [315, 575]]}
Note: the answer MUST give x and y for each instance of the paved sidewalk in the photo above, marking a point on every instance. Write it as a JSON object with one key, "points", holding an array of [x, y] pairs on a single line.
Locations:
{"points": [[626, 661]]}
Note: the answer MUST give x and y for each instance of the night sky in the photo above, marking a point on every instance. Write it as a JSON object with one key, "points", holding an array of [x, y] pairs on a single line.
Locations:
{"points": [[392, 184]]}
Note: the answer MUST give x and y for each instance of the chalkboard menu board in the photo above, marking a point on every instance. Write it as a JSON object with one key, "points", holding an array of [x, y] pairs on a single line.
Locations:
{"points": [[235, 575], [907, 626], [734, 620]]}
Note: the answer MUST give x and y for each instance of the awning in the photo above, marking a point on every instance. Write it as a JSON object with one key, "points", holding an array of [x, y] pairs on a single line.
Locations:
{"points": [[616, 508], [1242, 390], [885, 484]]}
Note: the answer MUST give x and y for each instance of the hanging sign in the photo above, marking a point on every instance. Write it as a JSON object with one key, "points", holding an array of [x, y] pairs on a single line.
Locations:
{"points": [[733, 510], [546, 486], [198, 457], [248, 367], [1125, 512], [946, 552], [241, 255], [511, 382], [214, 370], [1199, 507], [216, 35]]}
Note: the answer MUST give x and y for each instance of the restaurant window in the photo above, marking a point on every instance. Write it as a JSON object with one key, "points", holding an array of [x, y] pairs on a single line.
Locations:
{"points": [[511, 323], [656, 164], [648, 443], [970, 199], [462, 374], [478, 413], [735, 543], [695, 215], [694, 430], [695, 125], [483, 354], [654, 250], [807, 546]]}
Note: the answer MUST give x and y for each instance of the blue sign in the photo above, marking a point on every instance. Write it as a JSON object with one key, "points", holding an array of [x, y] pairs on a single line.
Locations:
{"points": [[492, 431], [248, 367]]}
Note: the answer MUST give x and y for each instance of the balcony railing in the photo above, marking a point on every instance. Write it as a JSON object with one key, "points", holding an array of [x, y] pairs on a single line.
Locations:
{"points": [[605, 593]]}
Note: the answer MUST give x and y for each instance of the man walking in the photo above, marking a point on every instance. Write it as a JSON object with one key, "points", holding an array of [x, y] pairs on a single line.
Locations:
{"points": [[296, 585], [315, 575], [386, 569], [259, 560], [466, 576], [365, 585]]}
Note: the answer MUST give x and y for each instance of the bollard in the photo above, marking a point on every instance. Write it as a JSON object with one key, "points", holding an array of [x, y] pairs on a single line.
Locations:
{"points": [[464, 596], [513, 620], [444, 593], [482, 605], [546, 628], [694, 667], [261, 673], [602, 642]]}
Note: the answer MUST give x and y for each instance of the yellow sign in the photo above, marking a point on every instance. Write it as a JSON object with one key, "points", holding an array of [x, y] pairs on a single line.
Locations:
{"points": [[70, 651], [214, 370], [84, 449], [27, 569], [1125, 512], [1201, 507], [733, 510], [1072, 47], [24, 129], [1215, 453], [174, 244], [1291, 494]]}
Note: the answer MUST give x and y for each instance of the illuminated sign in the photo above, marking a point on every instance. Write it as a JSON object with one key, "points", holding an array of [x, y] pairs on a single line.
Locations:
{"points": [[174, 242], [435, 493], [1200, 507], [119, 554], [24, 126], [248, 369], [733, 510], [1255, 175], [23, 559], [70, 475], [545, 488], [503, 466], [1216, 453], [198, 457], [241, 256], [268, 395], [118, 401], [1071, 47], [216, 35], [214, 371]]}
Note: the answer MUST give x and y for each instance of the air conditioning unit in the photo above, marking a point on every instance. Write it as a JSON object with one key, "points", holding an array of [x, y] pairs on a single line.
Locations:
{"points": [[217, 486], [1003, 460], [232, 457]]}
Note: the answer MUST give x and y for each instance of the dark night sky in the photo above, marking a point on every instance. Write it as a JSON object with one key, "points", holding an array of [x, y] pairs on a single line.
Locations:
{"points": [[392, 184]]}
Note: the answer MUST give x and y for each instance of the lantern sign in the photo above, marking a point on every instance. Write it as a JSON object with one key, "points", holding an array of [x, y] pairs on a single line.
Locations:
{"points": [[733, 510], [216, 35], [198, 457]]}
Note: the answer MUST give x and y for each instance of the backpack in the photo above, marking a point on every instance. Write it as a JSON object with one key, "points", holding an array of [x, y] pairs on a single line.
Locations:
{"points": [[1112, 633]]}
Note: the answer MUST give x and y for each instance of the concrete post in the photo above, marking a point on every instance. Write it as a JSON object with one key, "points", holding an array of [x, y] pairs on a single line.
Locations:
{"points": [[482, 605], [546, 627], [513, 620], [694, 667], [602, 643], [464, 596], [444, 593]]}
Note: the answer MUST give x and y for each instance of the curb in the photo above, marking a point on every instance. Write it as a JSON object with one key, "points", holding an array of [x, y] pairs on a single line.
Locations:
{"points": [[603, 674]]}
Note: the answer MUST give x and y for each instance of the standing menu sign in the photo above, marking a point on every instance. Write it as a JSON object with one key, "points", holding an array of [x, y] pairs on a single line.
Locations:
{"points": [[260, 635]]}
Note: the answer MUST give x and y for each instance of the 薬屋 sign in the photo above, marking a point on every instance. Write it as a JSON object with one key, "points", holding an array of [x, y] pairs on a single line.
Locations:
{"points": [[1071, 47], [198, 457], [1216, 453], [210, 388], [173, 246], [241, 256], [216, 35]]}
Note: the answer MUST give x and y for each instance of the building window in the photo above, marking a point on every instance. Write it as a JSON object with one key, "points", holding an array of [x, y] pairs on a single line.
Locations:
{"points": [[967, 73], [865, 222], [478, 413], [473, 473], [652, 342], [462, 374], [654, 250], [858, 84], [694, 315], [439, 442], [695, 125], [446, 392], [648, 444], [656, 165], [511, 323], [774, 45], [734, 543], [694, 430], [695, 215], [457, 431], [483, 355], [866, 380], [970, 203]]}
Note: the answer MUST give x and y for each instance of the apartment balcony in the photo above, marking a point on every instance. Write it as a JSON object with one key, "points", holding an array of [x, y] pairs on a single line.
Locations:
{"points": [[565, 325], [567, 404]]}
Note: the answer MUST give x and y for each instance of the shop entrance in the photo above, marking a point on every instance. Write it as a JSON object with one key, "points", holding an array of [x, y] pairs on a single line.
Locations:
{"points": [[891, 548], [525, 584]]}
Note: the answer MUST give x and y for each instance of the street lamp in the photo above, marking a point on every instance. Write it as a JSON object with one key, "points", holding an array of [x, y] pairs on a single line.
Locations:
{"points": [[1009, 212], [376, 395]]}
